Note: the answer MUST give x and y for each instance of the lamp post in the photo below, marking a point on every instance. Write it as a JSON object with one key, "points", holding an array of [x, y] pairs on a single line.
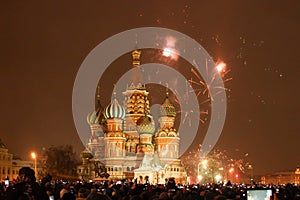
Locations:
{"points": [[33, 156], [157, 169]]}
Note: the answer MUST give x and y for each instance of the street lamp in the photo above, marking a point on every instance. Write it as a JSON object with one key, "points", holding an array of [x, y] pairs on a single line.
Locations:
{"points": [[33, 156], [157, 169], [250, 167]]}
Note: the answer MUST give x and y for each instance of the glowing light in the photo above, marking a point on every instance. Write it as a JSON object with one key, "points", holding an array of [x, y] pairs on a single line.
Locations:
{"points": [[220, 66], [218, 177], [231, 170], [200, 178], [236, 176], [169, 49], [33, 155], [188, 179], [167, 52]]}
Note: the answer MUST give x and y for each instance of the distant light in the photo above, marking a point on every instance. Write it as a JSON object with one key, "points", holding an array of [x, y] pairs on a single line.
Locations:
{"points": [[167, 52], [236, 176], [204, 162], [33, 155], [231, 170], [221, 66], [200, 178], [218, 177]]}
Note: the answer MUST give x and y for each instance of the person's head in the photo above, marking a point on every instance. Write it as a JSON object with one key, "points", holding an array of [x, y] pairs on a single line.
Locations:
{"points": [[68, 196], [27, 174]]}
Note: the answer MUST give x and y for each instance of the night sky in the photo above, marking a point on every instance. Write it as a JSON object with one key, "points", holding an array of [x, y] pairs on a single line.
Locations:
{"points": [[43, 45]]}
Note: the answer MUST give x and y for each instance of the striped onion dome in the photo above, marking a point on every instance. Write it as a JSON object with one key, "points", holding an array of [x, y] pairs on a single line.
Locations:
{"points": [[145, 125], [96, 117], [167, 108], [92, 118], [114, 110]]}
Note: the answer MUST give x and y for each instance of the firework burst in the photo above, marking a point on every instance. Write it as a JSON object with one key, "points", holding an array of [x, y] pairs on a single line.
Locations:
{"points": [[202, 88], [218, 163]]}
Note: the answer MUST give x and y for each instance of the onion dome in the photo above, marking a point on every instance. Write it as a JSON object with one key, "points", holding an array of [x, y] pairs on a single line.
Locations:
{"points": [[167, 108], [97, 116], [114, 110], [86, 154], [92, 118], [145, 125]]}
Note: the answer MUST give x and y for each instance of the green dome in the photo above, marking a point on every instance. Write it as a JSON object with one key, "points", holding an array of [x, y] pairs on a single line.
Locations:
{"points": [[86, 154], [167, 109], [145, 125]]}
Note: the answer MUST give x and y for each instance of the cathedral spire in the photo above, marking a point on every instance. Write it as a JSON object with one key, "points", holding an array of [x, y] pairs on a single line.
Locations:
{"points": [[115, 92], [136, 54], [167, 108], [98, 104], [136, 76]]}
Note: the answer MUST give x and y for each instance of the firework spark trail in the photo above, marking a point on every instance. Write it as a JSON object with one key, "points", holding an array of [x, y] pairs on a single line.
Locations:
{"points": [[204, 87]]}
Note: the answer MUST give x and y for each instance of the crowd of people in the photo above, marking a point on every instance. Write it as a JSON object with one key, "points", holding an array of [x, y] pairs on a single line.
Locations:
{"points": [[47, 189]]}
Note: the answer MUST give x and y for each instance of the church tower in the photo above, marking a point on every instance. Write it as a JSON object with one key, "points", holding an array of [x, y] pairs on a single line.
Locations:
{"points": [[114, 140], [146, 129], [167, 142], [98, 126], [167, 139], [137, 109]]}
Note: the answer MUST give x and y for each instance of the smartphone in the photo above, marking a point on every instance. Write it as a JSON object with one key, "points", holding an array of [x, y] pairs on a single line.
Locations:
{"points": [[6, 183], [51, 197]]}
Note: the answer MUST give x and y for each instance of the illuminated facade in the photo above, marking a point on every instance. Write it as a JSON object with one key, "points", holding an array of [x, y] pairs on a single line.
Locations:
{"points": [[282, 177], [124, 138], [10, 166], [5, 162]]}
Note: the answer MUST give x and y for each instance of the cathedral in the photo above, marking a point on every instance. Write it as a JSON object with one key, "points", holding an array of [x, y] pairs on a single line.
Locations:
{"points": [[125, 143]]}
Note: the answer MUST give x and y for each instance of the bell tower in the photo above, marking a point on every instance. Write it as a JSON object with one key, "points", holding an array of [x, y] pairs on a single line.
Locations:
{"points": [[137, 105]]}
